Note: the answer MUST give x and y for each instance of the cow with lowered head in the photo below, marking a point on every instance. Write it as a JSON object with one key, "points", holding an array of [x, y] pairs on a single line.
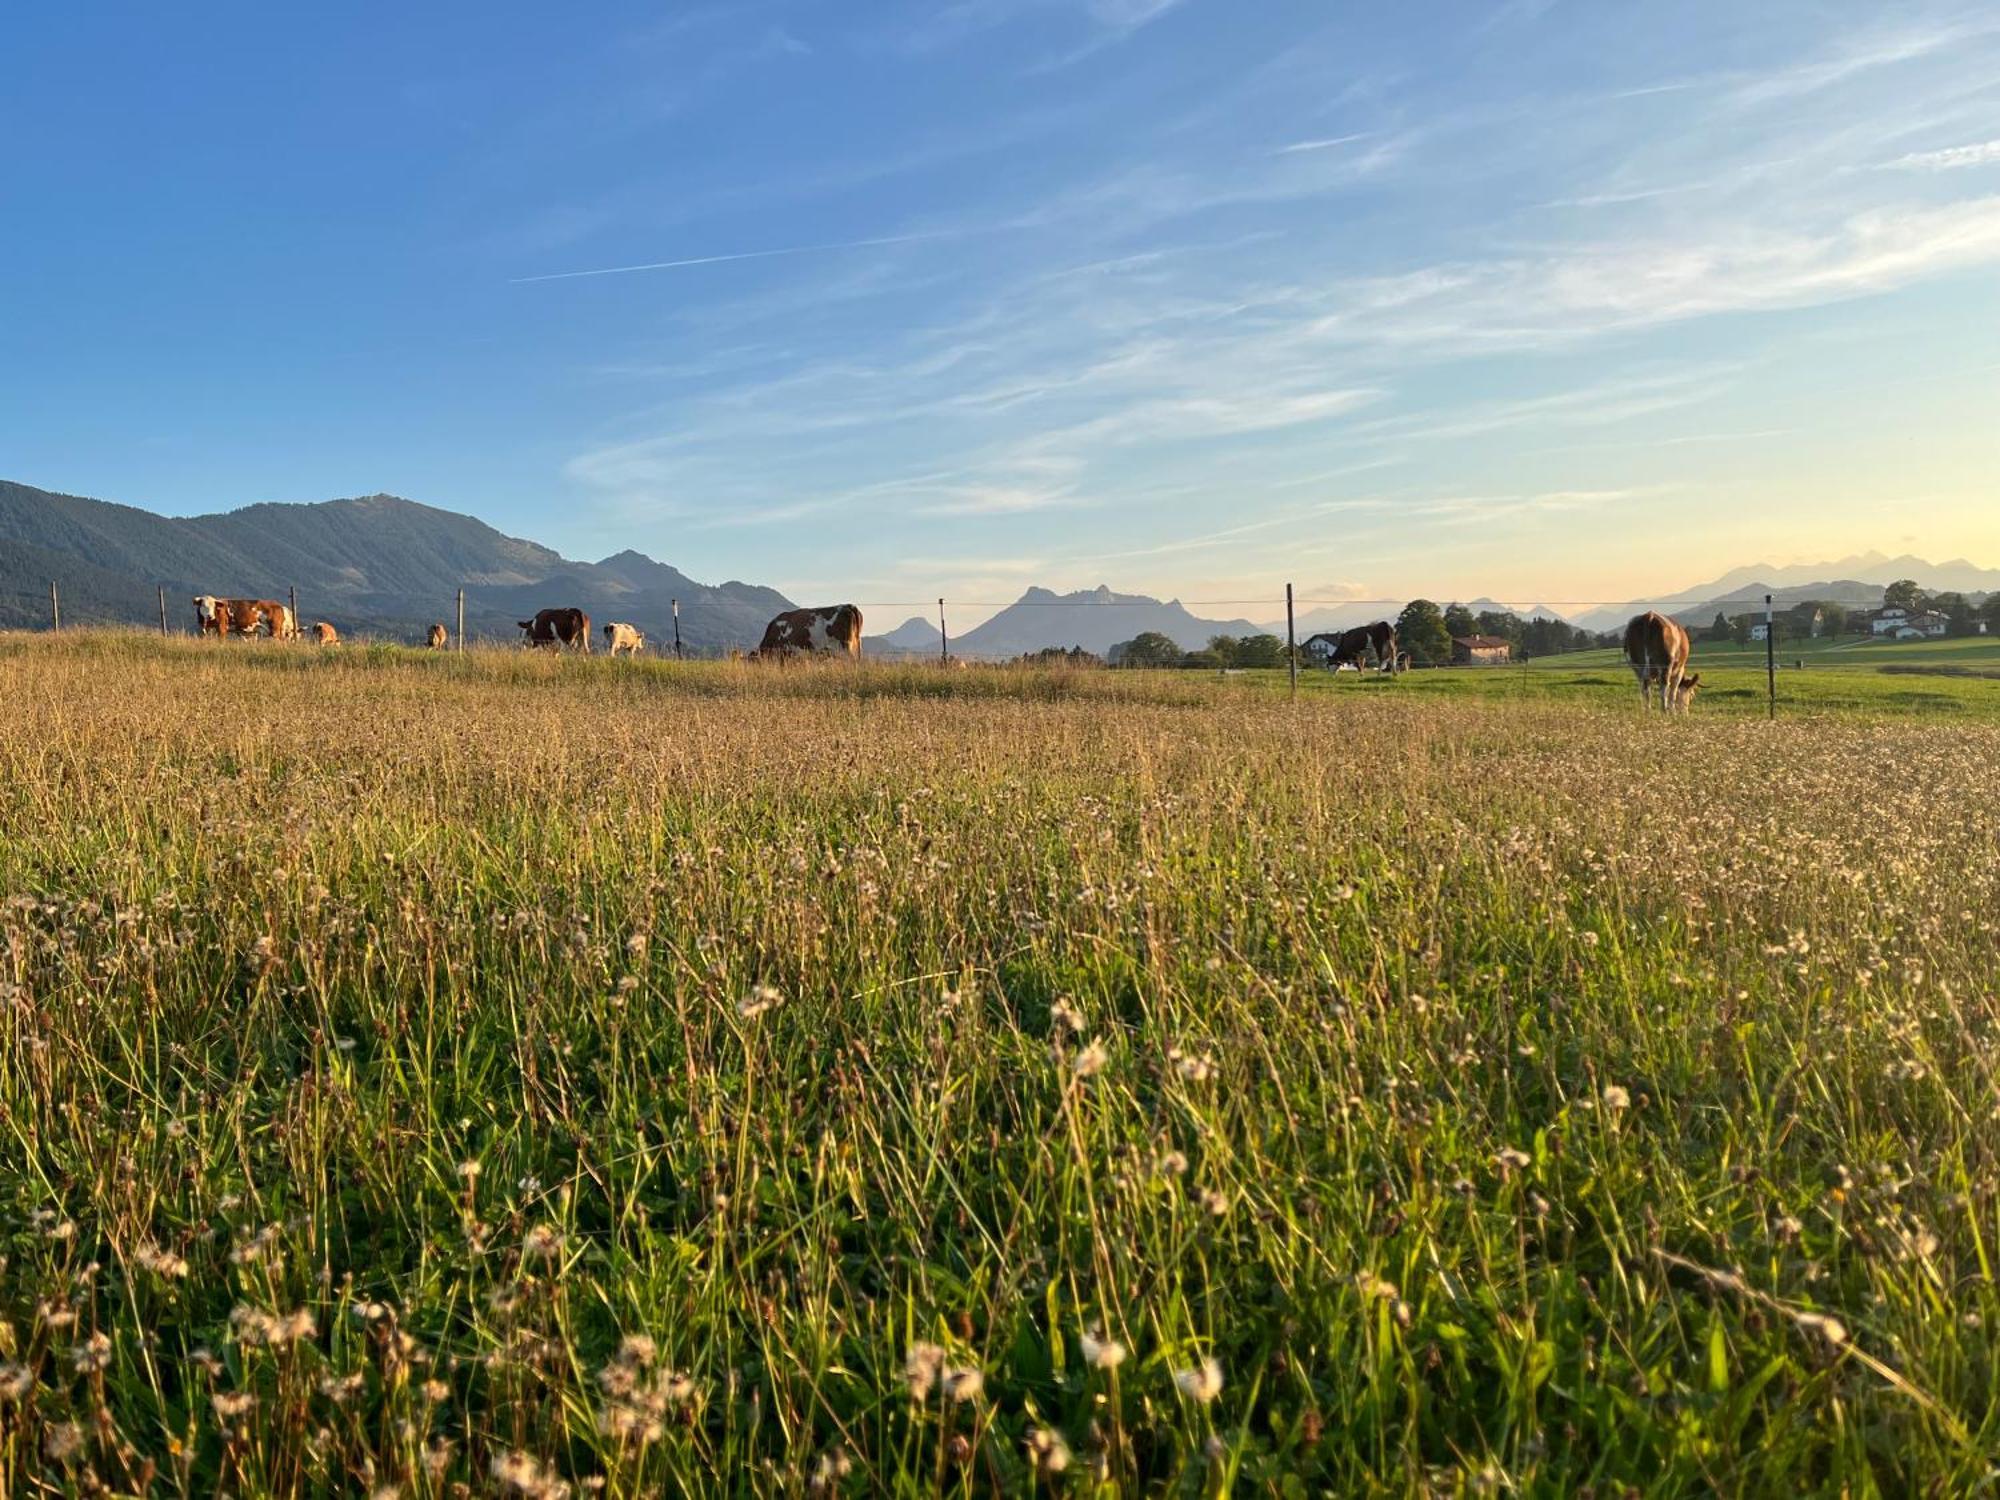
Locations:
{"points": [[558, 627], [1658, 648], [831, 630]]}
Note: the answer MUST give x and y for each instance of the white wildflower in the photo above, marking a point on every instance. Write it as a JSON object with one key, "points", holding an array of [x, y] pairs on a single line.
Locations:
{"points": [[760, 999], [921, 1368], [543, 1242], [1201, 1383], [1100, 1352]]}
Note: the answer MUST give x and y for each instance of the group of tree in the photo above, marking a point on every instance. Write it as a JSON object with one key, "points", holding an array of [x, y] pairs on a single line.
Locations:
{"points": [[1797, 621], [1059, 656], [1424, 629], [1153, 649], [1963, 614]]}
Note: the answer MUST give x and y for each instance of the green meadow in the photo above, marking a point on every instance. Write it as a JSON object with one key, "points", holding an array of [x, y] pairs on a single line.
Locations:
{"points": [[517, 1075]]}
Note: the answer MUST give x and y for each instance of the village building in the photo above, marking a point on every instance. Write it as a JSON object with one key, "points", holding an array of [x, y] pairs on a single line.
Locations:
{"points": [[1896, 623], [1480, 651]]}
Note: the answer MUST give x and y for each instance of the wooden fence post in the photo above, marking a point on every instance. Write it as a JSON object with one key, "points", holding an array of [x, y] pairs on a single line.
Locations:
{"points": [[461, 621], [55, 607], [163, 609]]}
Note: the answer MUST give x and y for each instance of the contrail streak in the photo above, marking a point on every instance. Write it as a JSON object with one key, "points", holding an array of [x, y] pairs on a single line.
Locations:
{"points": [[715, 260]]}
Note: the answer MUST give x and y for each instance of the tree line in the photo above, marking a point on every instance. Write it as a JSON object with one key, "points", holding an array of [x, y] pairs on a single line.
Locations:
{"points": [[1424, 628]]}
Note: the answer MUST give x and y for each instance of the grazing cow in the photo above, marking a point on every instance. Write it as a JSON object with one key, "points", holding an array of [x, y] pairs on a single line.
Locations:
{"points": [[210, 615], [831, 630], [325, 634], [1350, 648], [438, 637], [621, 637], [558, 627], [1657, 647]]}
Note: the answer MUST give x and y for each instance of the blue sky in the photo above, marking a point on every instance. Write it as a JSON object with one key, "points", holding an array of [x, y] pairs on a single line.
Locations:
{"points": [[1529, 298]]}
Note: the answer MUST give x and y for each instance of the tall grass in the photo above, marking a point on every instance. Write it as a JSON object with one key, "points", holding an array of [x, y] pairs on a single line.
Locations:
{"points": [[541, 1076]]}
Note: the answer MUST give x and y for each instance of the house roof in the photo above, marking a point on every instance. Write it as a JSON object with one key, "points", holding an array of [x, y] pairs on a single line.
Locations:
{"points": [[1480, 642]]}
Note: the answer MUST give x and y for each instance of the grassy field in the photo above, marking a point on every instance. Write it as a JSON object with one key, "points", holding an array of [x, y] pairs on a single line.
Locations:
{"points": [[512, 1075], [1952, 678]]}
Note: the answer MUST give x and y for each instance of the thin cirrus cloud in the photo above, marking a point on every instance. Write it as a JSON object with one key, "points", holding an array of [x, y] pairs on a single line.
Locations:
{"points": [[1323, 143], [723, 258], [1107, 21], [1950, 159]]}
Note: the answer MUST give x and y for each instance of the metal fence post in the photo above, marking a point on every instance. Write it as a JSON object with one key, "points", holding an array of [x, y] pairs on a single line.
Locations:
{"points": [[1771, 655], [944, 639], [677, 630], [163, 609], [461, 621], [55, 607], [1291, 642]]}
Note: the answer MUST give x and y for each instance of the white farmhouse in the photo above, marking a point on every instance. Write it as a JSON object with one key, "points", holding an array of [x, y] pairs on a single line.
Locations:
{"points": [[1896, 623]]}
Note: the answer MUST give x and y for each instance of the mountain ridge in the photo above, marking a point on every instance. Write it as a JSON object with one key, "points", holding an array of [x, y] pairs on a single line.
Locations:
{"points": [[1856, 582], [387, 565], [1095, 619], [374, 564]]}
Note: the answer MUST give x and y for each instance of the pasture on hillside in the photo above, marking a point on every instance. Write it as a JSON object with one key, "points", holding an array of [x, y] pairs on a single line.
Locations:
{"points": [[427, 1075]]}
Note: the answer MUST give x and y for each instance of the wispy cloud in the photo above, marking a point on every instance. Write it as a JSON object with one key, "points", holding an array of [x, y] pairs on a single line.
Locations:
{"points": [[1106, 22], [1849, 58], [1950, 159], [1326, 143], [877, 242], [995, 500]]}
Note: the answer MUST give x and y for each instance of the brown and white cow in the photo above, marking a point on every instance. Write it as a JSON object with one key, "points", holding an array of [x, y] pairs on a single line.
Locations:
{"points": [[559, 627], [1657, 648], [619, 636], [226, 617], [325, 634], [438, 637], [830, 630]]}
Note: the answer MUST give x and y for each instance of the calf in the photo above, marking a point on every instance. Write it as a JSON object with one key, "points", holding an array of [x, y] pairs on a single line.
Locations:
{"points": [[438, 637], [621, 637], [325, 634]]}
